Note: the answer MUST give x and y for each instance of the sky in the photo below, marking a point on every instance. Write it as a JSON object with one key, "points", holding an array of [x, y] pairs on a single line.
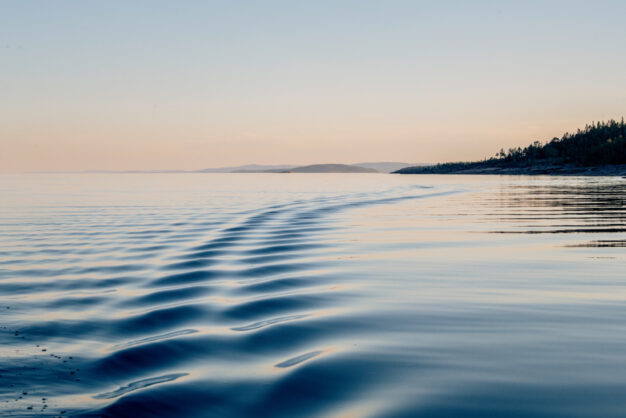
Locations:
{"points": [[193, 84]]}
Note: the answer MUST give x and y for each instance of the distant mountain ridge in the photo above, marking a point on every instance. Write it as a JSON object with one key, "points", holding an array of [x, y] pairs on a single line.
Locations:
{"points": [[327, 168], [386, 166], [313, 168], [368, 167]]}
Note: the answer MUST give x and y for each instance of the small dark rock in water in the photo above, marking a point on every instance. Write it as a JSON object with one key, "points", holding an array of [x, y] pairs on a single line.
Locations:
{"points": [[24, 393], [43, 349], [30, 407]]}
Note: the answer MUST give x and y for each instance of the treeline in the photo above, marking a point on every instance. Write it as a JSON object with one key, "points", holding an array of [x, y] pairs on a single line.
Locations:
{"points": [[598, 144]]}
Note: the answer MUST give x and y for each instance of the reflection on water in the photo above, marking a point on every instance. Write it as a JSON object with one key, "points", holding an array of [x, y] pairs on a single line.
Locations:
{"points": [[283, 295]]}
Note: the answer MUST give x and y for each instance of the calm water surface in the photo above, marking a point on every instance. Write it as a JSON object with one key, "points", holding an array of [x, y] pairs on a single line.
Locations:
{"points": [[194, 295]]}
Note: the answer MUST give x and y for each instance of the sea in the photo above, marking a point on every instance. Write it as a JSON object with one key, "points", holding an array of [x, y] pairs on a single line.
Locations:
{"points": [[312, 295]]}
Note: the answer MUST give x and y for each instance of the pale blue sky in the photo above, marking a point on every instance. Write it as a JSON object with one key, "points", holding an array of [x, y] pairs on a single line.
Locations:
{"points": [[193, 84]]}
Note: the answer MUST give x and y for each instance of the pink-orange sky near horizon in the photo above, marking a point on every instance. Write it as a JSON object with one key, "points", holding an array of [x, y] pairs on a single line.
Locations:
{"points": [[190, 85]]}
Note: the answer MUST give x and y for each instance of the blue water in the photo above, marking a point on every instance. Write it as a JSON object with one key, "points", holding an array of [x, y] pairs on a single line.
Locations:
{"points": [[193, 295]]}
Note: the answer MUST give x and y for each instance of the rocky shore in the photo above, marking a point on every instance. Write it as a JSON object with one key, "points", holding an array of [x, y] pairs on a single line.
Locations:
{"points": [[538, 169]]}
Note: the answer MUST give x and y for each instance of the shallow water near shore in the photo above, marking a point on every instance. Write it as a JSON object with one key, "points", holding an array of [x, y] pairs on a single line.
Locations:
{"points": [[312, 295]]}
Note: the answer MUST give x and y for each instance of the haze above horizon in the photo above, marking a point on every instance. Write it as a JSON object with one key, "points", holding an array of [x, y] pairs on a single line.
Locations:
{"points": [[167, 85]]}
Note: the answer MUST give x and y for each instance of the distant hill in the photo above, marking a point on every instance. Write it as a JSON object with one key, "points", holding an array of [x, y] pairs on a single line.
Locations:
{"points": [[327, 168], [259, 168], [386, 167], [599, 149]]}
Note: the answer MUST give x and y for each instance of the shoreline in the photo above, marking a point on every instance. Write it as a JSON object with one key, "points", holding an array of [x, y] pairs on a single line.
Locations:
{"points": [[538, 170]]}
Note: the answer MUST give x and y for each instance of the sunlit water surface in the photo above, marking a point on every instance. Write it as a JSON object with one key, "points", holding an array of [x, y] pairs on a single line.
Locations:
{"points": [[312, 295]]}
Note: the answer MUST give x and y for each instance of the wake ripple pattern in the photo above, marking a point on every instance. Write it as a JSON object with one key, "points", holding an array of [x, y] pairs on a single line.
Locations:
{"points": [[322, 295], [105, 303]]}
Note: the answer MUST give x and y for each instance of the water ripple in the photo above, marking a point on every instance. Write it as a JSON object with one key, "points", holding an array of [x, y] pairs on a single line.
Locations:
{"points": [[140, 384], [319, 295]]}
